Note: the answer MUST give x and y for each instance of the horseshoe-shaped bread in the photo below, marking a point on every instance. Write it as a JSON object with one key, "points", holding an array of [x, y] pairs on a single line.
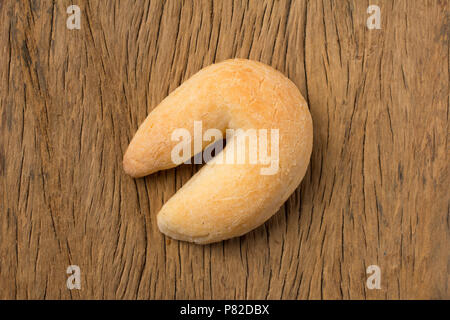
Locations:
{"points": [[223, 201]]}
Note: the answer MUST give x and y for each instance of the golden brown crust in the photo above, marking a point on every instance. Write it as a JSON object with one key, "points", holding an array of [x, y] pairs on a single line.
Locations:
{"points": [[226, 200]]}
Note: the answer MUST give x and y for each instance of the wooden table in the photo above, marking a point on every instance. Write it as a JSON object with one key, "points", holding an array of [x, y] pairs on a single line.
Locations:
{"points": [[376, 191]]}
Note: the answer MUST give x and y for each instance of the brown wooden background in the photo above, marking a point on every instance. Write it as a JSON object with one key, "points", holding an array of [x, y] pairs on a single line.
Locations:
{"points": [[376, 191]]}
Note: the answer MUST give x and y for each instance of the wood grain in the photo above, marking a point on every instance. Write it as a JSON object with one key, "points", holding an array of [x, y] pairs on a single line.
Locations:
{"points": [[376, 191]]}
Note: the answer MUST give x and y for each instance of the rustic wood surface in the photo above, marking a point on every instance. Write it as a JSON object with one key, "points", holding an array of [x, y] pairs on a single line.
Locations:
{"points": [[376, 191]]}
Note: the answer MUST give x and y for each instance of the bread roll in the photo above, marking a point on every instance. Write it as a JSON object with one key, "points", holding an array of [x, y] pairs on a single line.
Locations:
{"points": [[226, 200]]}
